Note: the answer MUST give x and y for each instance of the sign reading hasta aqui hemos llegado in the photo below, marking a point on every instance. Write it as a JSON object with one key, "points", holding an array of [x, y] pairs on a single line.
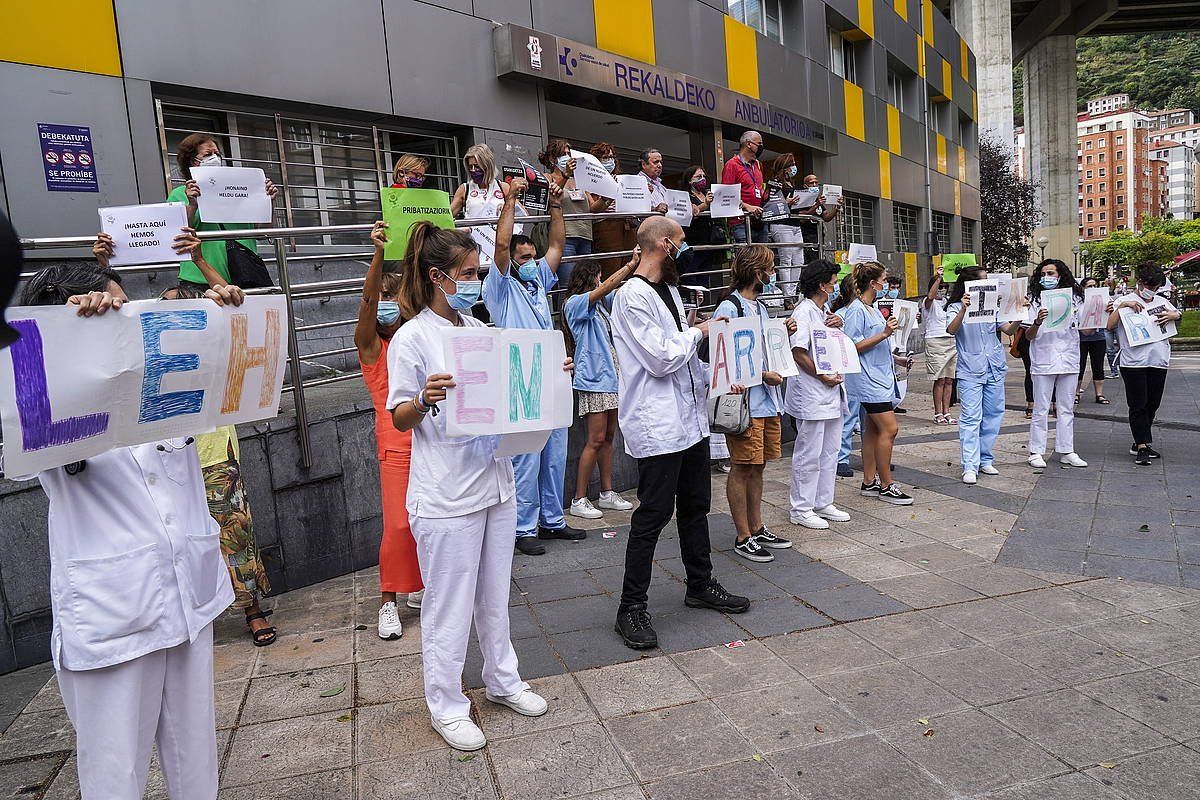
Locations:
{"points": [[67, 158]]}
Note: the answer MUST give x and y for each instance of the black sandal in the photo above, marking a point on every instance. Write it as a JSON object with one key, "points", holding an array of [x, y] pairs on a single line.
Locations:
{"points": [[263, 636], [1102, 400]]}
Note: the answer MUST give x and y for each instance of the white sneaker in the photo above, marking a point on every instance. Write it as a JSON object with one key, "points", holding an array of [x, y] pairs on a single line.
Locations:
{"points": [[414, 599], [389, 621], [584, 508], [988, 469], [1036, 461], [613, 501], [833, 513], [969, 478], [460, 733], [1073, 460], [810, 519], [525, 702]]}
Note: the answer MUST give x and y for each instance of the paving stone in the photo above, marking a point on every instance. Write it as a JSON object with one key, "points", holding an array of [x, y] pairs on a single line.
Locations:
{"points": [[1135, 547], [1072, 786], [637, 686], [1068, 656], [1135, 596], [298, 694], [1188, 670], [595, 648], [47, 699], [543, 588], [37, 733], [989, 620], [874, 566], [1164, 572], [392, 730], [1079, 730], [788, 715], [24, 779], [862, 767], [826, 650], [755, 586], [320, 786], [303, 651], [912, 634], [534, 654], [387, 680], [925, 590], [567, 702], [828, 548], [288, 747], [797, 579], [723, 670], [328, 615], [751, 779], [980, 675], [1171, 774], [228, 697], [937, 557], [443, 773], [1164, 702], [673, 740], [778, 615], [848, 603], [994, 579], [561, 616], [692, 630], [1144, 638], [65, 785], [630, 792], [887, 694], [558, 763], [1182, 617], [369, 647]]}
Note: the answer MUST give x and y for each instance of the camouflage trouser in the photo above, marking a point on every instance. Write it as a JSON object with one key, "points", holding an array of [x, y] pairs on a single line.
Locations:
{"points": [[229, 506]]}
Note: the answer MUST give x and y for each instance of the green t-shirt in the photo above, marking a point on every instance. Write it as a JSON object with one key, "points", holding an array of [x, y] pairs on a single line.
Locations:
{"points": [[214, 252]]}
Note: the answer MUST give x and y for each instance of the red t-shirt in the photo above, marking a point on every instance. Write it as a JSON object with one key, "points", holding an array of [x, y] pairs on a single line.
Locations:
{"points": [[750, 178]]}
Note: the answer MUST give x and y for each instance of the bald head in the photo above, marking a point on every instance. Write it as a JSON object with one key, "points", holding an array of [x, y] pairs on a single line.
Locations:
{"points": [[811, 180], [653, 230]]}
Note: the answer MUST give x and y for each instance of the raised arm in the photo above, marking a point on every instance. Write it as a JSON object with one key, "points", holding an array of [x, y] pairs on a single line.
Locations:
{"points": [[366, 333], [504, 227], [931, 296], [558, 229], [186, 242], [615, 280]]}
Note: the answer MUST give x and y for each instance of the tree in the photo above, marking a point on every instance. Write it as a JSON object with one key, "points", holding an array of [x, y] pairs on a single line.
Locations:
{"points": [[1156, 247], [1007, 208]]}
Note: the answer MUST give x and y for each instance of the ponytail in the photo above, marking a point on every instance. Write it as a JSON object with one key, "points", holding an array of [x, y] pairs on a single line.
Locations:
{"points": [[857, 281], [429, 247]]}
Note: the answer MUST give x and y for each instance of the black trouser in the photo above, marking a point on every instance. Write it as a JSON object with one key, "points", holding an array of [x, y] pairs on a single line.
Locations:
{"points": [[678, 482], [1023, 349], [1143, 392], [1093, 350]]}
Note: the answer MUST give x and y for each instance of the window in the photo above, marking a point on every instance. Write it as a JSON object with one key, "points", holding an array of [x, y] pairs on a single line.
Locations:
{"points": [[1103, 216], [1102, 172], [907, 222], [1120, 213], [941, 229], [935, 116], [1090, 203], [1120, 155], [1120, 199], [1089, 174], [1103, 201], [1091, 232], [1091, 217], [968, 235], [1088, 144], [1101, 158], [1091, 188], [896, 89], [1104, 187], [1088, 160], [762, 15], [1103, 230], [856, 223], [1120, 168], [1101, 143], [841, 56]]}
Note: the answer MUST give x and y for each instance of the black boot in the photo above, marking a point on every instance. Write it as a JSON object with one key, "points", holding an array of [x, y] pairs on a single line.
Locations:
{"points": [[633, 623]]}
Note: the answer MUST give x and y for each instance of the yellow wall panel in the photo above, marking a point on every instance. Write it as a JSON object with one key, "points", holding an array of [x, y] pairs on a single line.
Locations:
{"points": [[894, 129], [866, 17], [957, 199], [626, 27], [79, 35], [962, 163], [974, 104], [885, 174], [855, 119], [941, 155], [947, 80], [741, 57], [901, 7], [911, 287], [920, 56], [927, 20], [965, 59]]}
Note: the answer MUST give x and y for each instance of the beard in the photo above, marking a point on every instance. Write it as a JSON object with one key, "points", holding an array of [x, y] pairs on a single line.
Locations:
{"points": [[670, 272]]}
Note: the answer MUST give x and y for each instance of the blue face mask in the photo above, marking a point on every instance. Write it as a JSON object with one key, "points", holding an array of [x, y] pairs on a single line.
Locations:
{"points": [[791, 172], [388, 312], [466, 294], [609, 164], [892, 293], [562, 163], [679, 251], [1049, 282], [527, 271]]}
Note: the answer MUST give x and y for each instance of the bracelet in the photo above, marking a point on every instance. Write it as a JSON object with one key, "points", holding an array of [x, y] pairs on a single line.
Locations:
{"points": [[418, 402]]}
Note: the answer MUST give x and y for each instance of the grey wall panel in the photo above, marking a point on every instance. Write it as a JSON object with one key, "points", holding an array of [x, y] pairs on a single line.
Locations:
{"points": [[301, 50], [912, 140], [30, 95], [574, 19], [518, 12], [970, 202], [461, 6], [816, 34], [942, 191], [690, 37], [143, 128], [908, 182]]}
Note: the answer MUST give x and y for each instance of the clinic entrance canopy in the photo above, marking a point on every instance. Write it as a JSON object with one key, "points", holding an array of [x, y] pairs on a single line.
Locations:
{"points": [[533, 54]]}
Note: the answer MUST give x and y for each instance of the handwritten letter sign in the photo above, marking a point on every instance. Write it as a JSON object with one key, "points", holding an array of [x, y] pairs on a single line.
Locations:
{"points": [[1012, 300], [833, 352], [1141, 327], [985, 301], [1094, 313], [1059, 304], [779, 348], [143, 234], [735, 353]]}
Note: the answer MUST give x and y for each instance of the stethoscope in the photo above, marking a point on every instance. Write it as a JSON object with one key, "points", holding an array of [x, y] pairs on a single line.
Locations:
{"points": [[76, 467]]}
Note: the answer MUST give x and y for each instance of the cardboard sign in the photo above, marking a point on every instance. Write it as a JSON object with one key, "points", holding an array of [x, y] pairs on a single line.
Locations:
{"points": [[232, 194], [72, 388], [68, 160], [985, 301], [832, 193], [143, 234], [833, 352], [1059, 303], [779, 348], [735, 354], [536, 197], [1093, 314], [404, 207], [591, 176], [679, 207], [953, 262], [485, 240], [727, 200], [1141, 327], [862, 253], [633, 195], [1013, 294], [508, 382], [905, 312]]}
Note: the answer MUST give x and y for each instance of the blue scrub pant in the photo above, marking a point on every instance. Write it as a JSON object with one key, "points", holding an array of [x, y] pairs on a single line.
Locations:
{"points": [[981, 409], [856, 417], [539, 478]]}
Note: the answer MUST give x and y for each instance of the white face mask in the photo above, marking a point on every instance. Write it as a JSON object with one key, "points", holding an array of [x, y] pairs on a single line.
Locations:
{"points": [[211, 160], [1145, 294]]}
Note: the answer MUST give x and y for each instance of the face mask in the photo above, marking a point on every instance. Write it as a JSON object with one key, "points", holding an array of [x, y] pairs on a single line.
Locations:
{"points": [[771, 280], [388, 312], [414, 181], [678, 255], [210, 160], [562, 162], [700, 183], [466, 294], [758, 150], [1145, 294], [527, 271], [791, 172], [476, 175], [1048, 283], [609, 164], [892, 293]]}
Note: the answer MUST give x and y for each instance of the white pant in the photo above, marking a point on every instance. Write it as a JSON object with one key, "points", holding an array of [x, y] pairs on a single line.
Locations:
{"points": [[466, 565], [119, 712], [814, 463], [788, 260], [1062, 388]]}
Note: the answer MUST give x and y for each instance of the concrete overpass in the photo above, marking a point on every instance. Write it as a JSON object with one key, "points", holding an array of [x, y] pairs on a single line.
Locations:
{"points": [[1042, 34]]}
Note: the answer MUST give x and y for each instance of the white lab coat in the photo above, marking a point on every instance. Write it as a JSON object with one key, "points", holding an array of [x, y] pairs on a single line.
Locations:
{"points": [[807, 397], [1054, 352], [662, 383]]}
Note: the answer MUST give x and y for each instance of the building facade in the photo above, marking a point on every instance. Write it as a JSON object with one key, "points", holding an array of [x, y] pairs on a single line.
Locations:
{"points": [[1182, 166], [1108, 104]]}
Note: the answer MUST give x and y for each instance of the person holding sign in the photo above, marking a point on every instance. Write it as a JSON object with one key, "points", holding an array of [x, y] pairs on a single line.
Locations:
{"points": [[1143, 366], [664, 421], [481, 197], [557, 159], [820, 213], [1093, 342], [651, 162], [701, 231], [781, 189], [202, 150], [753, 271], [875, 386], [1053, 359], [589, 326], [941, 357], [816, 402], [137, 580], [378, 320], [744, 170], [460, 495], [514, 291], [981, 369]]}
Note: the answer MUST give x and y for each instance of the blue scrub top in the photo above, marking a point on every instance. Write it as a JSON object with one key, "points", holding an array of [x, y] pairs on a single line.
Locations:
{"points": [[595, 369], [980, 354], [513, 303], [764, 400], [877, 381]]}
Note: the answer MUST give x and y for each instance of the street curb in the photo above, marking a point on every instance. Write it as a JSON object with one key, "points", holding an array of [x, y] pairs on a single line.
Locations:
{"points": [[1175, 425]]}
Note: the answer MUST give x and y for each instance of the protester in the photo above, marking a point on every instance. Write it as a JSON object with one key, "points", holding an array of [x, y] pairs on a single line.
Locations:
{"points": [[941, 355], [810, 228], [1020, 349], [1092, 347], [557, 159], [651, 162], [874, 387], [514, 292], [701, 230], [744, 169], [202, 150], [752, 272], [611, 235], [481, 197], [665, 426], [1054, 365], [781, 187], [981, 370], [378, 320], [816, 402], [132, 625], [460, 495], [409, 172], [589, 329], [1143, 367]]}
